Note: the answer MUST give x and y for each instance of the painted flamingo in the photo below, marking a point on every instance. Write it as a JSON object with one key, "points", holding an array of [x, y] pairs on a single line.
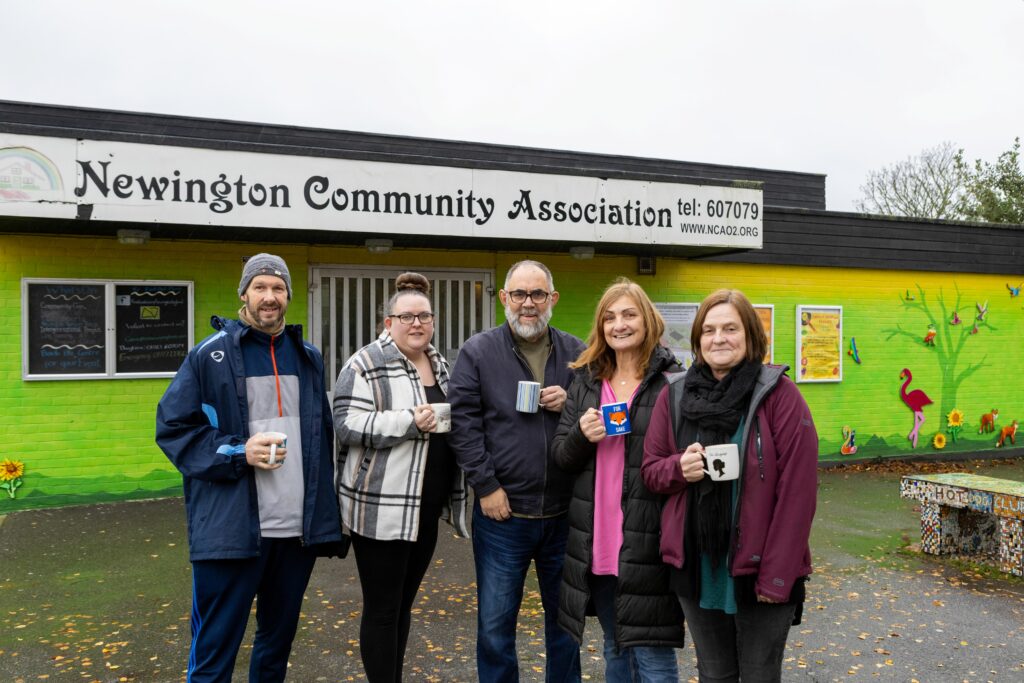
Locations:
{"points": [[916, 400]]}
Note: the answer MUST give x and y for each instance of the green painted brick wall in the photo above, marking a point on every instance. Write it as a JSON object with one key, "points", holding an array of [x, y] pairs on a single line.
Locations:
{"points": [[92, 440]]}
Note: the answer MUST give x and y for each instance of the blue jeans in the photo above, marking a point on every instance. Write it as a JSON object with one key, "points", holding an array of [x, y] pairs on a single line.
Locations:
{"points": [[746, 646], [502, 552], [628, 664]]}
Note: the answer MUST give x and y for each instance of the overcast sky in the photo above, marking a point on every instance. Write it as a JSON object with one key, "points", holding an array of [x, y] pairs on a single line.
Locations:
{"points": [[838, 88]]}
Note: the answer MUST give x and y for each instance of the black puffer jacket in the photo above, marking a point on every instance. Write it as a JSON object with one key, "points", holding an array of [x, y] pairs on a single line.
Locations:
{"points": [[646, 611]]}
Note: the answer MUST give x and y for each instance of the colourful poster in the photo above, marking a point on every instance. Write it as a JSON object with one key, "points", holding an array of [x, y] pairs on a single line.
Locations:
{"points": [[819, 336], [766, 312]]}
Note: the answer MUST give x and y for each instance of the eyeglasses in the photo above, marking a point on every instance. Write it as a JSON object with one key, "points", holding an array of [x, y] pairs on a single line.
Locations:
{"points": [[425, 318], [537, 296]]}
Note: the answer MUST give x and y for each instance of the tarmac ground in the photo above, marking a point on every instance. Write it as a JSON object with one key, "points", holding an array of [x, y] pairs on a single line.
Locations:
{"points": [[102, 593]]}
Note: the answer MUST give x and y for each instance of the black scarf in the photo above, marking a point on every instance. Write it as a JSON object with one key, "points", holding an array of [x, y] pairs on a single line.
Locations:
{"points": [[716, 409]]}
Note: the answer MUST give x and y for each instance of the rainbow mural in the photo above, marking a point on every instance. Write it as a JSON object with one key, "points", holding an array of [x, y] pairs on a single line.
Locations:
{"points": [[27, 175]]}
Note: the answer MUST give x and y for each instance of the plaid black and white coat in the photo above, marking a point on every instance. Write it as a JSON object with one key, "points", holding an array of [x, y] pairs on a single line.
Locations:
{"points": [[382, 454]]}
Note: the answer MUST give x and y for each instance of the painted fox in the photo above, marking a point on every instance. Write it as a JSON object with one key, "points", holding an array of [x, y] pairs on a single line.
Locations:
{"points": [[988, 422], [617, 418], [1008, 431]]}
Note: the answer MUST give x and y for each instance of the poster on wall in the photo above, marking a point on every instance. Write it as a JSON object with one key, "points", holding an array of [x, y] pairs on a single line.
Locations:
{"points": [[766, 313], [679, 319], [819, 337]]}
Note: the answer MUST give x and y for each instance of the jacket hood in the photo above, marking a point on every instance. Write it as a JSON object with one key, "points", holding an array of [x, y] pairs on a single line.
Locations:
{"points": [[766, 381], [662, 359]]}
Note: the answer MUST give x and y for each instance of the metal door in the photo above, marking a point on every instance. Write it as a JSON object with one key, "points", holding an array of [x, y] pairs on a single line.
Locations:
{"points": [[347, 308]]}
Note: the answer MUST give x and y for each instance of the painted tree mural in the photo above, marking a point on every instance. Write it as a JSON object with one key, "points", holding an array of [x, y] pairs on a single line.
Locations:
{"points": [[953, 328]]}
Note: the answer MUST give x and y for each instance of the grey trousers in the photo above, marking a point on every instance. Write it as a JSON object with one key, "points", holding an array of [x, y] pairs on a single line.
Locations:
{"points": [[746, 646]]}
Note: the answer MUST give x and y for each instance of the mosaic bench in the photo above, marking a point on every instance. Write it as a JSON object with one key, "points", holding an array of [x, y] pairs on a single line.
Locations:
{"points": [[970, 514]]}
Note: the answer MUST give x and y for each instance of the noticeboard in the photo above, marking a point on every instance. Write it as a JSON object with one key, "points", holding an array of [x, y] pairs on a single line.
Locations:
{"points": [[88, 329], [67, 329], [151, 328]]}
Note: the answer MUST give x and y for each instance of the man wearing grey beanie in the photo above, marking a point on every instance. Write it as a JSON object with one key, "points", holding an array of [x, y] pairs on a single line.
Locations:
{"points": [[258, 476]]}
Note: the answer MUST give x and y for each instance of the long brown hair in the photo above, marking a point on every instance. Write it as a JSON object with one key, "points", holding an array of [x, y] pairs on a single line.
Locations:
{"points": [[601, 359], [757, 340]]}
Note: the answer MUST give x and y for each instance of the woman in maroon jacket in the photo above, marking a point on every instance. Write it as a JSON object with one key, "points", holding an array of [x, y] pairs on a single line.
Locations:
{"points": [[736, 544]]}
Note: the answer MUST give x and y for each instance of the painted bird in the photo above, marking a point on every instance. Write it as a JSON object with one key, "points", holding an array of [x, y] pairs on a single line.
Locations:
{"points": [[849, 446], [853, 350], [929, 339], [916, 400], [982, 310], [1014, 291]]}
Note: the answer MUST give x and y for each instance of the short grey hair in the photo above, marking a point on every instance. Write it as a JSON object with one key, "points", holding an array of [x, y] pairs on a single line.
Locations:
{"points": [[530, 262]]}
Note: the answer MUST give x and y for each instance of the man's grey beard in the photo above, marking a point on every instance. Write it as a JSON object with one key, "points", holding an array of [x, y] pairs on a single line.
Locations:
{"points": [[529, 332]]}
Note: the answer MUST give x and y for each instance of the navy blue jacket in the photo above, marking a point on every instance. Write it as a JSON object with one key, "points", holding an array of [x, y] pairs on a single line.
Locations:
{"points": [[496, 445], [202, 425]]}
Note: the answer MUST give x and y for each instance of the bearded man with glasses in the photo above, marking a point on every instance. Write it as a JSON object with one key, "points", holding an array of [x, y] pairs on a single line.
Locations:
{"points": [[522, 497]]}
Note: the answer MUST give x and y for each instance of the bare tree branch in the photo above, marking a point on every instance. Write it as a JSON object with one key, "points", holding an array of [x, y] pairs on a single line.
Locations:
{"points": [[929, 185]]}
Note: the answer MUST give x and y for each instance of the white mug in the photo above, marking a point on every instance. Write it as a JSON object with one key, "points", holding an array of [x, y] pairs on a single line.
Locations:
{"points": [[276, 436], [442, 417], [722, 462]]}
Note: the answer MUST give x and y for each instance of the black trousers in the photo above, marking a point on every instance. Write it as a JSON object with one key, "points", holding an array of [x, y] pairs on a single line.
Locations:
{"points": [[390, 573]]}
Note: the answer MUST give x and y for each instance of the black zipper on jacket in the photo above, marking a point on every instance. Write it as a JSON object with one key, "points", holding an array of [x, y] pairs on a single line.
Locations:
{"points": [[760, 455], [737, 506], [632, 414], [540, 411], [751, 413]]}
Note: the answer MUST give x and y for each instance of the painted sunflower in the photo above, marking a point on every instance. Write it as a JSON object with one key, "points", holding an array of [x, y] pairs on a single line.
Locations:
{"points": [[11, 469], [955, 418], [939, 441]]}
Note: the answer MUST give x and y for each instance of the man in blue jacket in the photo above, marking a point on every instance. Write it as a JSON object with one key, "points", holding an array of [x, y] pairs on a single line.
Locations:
{"points": [[255, 522], [522, 497]]}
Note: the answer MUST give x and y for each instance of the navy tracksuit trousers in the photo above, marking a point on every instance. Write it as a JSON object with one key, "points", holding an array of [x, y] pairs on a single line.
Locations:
{"points": [[222, 595]]}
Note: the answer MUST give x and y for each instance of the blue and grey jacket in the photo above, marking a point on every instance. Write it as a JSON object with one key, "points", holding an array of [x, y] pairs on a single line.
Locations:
{"points": [[202, 426], [496, 445]]}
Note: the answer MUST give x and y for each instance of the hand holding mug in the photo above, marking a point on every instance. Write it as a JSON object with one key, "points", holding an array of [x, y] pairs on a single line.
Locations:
{"points": [[266, 451], [691, 463], [552, 398], [425, 419], [592, 425]]}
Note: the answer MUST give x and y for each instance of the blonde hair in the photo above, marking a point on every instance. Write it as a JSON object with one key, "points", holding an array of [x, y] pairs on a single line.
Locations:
{"points": [[601, 359]]}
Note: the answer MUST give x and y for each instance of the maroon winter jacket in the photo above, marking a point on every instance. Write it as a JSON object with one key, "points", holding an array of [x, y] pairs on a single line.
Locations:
{"points": [[777, 491]]}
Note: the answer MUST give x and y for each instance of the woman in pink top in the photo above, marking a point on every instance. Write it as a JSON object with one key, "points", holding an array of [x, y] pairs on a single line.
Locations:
{"points": [[612, 566]]}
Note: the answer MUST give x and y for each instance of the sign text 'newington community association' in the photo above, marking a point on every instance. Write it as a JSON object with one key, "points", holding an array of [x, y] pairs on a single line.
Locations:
{"points": [[150, 183]]}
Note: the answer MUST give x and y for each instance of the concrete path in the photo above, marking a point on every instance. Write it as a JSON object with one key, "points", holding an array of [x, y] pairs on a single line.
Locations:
{"points": [[101, 593]]}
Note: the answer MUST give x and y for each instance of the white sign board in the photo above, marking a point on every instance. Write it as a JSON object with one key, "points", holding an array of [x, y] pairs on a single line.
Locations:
{"points": [[116, 181]]}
